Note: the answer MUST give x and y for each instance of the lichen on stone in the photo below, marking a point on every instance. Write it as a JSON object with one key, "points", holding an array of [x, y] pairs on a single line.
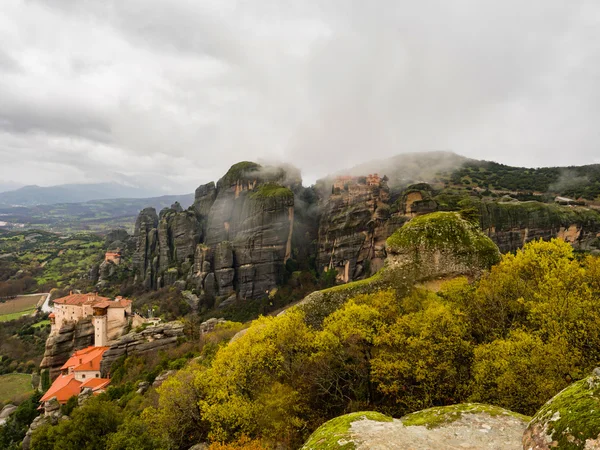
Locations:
{"points": [[334, 434], [441, 415], [569, 419]]}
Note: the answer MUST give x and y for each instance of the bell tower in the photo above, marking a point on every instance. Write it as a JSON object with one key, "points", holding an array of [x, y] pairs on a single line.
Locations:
{"points": [[100, 326]]}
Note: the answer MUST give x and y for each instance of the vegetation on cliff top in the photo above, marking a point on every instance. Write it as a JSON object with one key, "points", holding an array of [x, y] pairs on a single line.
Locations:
{"points": [[445, 232], [239, 171], [438, 416], [271, 190]]}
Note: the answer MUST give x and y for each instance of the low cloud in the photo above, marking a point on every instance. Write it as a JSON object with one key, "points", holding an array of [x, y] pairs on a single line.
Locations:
{"points": [[171, 93]]}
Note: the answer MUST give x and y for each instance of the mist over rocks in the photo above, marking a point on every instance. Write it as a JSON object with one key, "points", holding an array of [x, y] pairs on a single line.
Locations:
{"points": [[236, 239]]}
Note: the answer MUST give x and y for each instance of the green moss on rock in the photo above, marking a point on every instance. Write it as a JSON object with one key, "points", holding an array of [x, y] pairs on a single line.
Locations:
{"points": [[239, 171], [569, 419], [272, 190], [446, 232], [438, 416], [334, 434]]}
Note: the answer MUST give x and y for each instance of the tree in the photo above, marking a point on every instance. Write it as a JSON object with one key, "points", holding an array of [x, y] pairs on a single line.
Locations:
{"points": [[521, 372], [88, 428], [424, 359]]}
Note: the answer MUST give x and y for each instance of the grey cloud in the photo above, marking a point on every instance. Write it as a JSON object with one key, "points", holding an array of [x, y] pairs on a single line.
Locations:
{"points": [[176, 91]]}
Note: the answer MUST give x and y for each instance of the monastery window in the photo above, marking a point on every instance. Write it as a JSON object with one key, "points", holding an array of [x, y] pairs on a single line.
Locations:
{"points": [[83, 375], [97, 375]]}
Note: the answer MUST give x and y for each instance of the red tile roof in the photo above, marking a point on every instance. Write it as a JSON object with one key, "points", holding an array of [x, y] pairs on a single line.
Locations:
{"points": [[86, 359], [80, 299], [95, 383], [102, 305], [63, 388], [92, 299], [51, 315]]}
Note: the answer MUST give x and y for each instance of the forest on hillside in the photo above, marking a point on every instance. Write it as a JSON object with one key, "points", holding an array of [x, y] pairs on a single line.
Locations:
{"points": [[513, 338]]}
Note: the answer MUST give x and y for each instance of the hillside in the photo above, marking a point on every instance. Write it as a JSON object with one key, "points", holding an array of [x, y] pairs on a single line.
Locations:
{"points": [[450, 170], [378, 299], [435, 327]]}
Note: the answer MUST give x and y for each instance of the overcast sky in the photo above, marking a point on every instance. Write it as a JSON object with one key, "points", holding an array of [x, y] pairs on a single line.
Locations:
{"points": [[170, 93]]}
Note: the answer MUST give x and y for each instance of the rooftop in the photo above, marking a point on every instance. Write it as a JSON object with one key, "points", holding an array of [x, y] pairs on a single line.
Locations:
{"points": [[87, 359], [80, 299], [63, 388], [92, 299]]}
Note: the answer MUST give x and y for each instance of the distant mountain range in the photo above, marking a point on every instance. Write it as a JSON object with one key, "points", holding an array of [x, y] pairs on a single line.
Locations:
{"points": [[71, 193], [94, 215]]}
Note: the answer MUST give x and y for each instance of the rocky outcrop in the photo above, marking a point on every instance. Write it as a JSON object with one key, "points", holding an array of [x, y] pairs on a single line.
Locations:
{"points": [[232, 243], [355, 222], [512, 224], [440, 244], [144, 261], [51, 416], [468, 426], [432, 246], [150, 339], [235, 241], [571, 419], [59, 347], [5, 412]]}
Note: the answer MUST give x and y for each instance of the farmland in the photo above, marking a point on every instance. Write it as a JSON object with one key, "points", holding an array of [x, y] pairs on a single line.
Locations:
{"points": [[33, 261], [14, 308], [15, 387]]}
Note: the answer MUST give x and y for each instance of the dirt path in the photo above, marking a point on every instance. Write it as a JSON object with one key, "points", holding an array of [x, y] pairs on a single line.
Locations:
{"points": [[471, 432]]}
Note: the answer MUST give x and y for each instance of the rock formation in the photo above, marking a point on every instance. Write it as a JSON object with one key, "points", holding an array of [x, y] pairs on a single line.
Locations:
{"points": [[150, 339], [355, 222], [59, 347], [232, 243], [571, 419], [436, 245], [440, 244], [468, 426], [51, 416]]}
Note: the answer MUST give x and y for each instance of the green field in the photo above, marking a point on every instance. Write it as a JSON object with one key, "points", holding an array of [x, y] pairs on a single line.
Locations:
{"points": [[41, 323], [16, 307], [17, 315], [15, 387]]}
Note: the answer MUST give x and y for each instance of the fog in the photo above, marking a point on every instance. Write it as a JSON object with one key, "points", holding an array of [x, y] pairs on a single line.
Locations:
{"points": [[170, 93]]}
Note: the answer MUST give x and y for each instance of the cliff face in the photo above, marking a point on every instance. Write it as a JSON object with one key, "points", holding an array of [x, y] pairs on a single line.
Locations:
{"points": [[355, 222], [512, 224], [59, 347], [233, 242], [151, 339]]}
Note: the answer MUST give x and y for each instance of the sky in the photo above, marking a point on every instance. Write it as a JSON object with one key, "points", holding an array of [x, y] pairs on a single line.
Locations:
{"points": [[169, 93]]}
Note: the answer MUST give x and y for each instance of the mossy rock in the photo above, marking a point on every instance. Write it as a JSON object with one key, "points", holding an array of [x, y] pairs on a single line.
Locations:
{"points": [[335, 434], [271, 191], [570, 420], [443, 415], [239, 172], [447, 234]]}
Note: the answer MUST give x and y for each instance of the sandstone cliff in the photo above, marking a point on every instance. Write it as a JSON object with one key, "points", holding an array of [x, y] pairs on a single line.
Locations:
{"points": [[59, 347], [151, 339], [232, 243]]}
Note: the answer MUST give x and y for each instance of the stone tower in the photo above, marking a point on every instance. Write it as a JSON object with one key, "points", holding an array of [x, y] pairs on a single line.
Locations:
{"points": [[100, 326]]}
